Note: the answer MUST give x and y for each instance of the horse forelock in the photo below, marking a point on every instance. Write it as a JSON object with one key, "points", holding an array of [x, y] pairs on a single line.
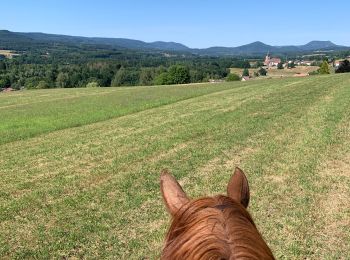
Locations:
{"points": [[214, 228]]}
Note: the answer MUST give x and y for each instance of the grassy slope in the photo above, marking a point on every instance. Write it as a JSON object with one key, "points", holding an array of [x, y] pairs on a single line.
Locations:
{"points": [[27, 114], [93, 191]]}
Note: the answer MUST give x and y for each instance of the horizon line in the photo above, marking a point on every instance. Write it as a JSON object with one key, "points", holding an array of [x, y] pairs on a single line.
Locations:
{"points": [[173, 41]]}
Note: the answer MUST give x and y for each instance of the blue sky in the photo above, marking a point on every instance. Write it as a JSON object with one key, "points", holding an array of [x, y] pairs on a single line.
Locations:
{"points": [[195, 23]]}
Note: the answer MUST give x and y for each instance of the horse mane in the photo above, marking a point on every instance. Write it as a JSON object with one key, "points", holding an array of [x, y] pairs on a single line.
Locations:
{"points": [[214, 228]]}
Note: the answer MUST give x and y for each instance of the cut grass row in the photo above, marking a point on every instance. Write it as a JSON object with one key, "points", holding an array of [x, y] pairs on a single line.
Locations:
{"points": [[27, 114], [93, 191]]}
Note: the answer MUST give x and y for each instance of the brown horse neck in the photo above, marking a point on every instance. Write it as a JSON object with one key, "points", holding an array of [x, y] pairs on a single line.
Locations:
{"points": [[214, 228]]}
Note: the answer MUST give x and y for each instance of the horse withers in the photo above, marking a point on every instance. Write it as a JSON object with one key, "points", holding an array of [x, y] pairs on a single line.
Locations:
{"points": [[217, 227]]}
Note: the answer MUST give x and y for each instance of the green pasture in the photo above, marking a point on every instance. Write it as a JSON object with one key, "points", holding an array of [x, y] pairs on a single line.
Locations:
{"points": [[79, 168]]}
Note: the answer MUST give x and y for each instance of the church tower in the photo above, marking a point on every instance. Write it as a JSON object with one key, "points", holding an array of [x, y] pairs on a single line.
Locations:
{"points": [[267, 59]]}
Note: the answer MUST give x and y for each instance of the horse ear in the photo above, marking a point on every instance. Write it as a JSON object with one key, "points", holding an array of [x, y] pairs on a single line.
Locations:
{"points": [[238, 188], [173, 195]]}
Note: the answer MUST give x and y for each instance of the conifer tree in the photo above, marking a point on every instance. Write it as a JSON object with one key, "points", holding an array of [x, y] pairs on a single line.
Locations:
{"points": [[324, 68]]}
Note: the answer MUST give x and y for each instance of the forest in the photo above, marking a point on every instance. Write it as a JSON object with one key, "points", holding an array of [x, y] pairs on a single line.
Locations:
{"points": [[91, 66]]}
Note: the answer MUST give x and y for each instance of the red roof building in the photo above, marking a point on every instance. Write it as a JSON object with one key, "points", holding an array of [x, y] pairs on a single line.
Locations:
{"points": [[270, 62]]}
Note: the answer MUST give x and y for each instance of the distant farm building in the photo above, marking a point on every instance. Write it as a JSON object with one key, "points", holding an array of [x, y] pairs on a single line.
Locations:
{"points": [[306, 62], [271, 62], [337, 63]]}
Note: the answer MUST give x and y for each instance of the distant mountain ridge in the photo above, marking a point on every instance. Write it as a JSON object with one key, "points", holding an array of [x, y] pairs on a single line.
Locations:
{"points": [[15, 39], [7, 37], [262, 48], [118, 42]]}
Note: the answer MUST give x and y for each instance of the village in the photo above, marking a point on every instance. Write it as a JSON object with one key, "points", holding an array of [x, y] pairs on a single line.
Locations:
{"points": [[270, 62], [276, 67]]}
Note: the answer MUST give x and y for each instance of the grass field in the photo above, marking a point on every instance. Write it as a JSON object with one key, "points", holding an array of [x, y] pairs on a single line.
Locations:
{"points": [[276, 73], [8, 53], [79, 168]]}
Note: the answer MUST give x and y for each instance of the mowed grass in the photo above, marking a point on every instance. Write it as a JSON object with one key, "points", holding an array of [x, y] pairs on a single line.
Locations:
{"points": [[91, 189], [27, 114]]}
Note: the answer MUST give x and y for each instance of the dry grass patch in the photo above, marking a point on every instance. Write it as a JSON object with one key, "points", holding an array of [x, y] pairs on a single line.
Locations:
{"points": [[276, 73], [334, 205], [334, 210], [8, 53]]}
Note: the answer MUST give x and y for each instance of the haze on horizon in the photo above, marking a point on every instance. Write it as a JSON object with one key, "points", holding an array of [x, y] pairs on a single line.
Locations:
{"points": [[197, 24]]}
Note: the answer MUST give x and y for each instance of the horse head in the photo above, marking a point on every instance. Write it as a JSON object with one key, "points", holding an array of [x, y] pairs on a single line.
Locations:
{"points": [[218, 227]]}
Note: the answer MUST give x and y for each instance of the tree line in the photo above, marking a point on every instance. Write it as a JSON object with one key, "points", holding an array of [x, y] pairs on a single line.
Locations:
{"points": [[108, 68], [72, 66]]}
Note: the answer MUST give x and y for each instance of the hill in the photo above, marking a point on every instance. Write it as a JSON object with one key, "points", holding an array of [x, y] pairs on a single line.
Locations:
{"points": [[114, 42], [119, 43], [79, 168], [25, 41], [319, 45], [259, 48]]}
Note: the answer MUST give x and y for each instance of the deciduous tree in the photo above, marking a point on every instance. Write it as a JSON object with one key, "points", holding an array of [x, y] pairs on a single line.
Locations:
{"points": [[179, 74], [232, 77]]}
